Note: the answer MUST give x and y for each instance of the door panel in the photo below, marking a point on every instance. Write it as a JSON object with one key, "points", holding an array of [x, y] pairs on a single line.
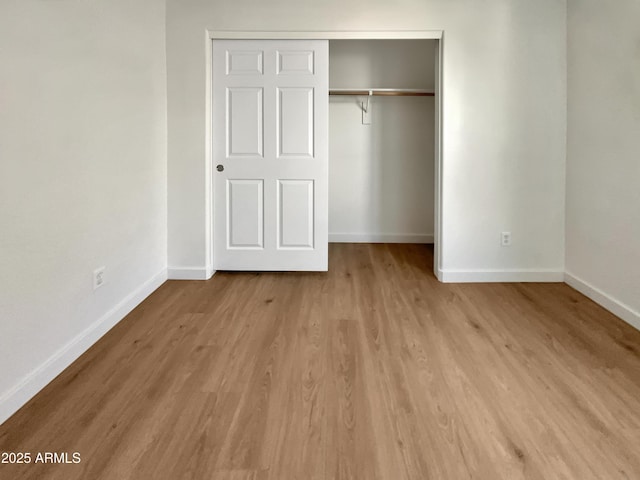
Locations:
{"points": [[245, 214], [295, 62], [240, 62], [270, 128], [295, 214], [244, 122], [295, 122]]}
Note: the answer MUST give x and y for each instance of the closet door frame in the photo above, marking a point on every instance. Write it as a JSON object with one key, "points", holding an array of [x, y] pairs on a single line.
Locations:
{"points": [[328, 35]]}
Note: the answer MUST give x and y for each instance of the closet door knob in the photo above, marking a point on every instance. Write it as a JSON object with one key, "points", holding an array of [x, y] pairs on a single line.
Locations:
{"points": [[220, 168]]}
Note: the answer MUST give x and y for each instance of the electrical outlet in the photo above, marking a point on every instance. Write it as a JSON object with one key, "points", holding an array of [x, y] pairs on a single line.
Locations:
{"points": [[98, 277], [505, 239]]}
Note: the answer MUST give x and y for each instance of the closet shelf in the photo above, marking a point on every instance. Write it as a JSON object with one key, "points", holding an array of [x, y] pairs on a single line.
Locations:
{"points": [[388, 92]]}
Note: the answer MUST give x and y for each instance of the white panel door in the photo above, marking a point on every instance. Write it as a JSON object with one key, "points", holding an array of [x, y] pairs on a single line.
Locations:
{"points": [[270, 154]]}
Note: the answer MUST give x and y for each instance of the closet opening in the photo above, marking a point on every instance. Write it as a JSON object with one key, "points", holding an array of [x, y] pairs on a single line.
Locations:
{"points": [[382, 141]]}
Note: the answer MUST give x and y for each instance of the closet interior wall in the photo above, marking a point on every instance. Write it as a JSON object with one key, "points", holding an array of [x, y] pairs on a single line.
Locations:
{"points": [[381, 176]]}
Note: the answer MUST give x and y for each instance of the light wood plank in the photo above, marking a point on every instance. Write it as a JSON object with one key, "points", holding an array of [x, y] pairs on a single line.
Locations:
{"points": [[371, 371]]}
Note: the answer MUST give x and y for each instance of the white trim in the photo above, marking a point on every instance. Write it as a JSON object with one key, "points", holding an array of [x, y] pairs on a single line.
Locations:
{"points": [[490, 276], [625, 312], [190, 273], [326, 35], [208, 164], [438, 244], [38, 378], [210, 272], [380, 238]]}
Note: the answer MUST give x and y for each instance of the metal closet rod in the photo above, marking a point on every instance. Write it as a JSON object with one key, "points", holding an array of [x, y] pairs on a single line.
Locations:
{"points": [[389, 92]]}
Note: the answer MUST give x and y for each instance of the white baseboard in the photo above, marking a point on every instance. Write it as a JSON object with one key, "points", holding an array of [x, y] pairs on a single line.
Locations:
{"points": [[492, 276], [605, 300], [380, 238], [35, 381], [190, 273], [210, 272]]}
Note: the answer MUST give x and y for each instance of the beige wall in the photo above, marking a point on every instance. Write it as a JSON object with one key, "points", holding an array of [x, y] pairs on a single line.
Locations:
{"points": [[82, 177], [504, 119], [603, 164]]}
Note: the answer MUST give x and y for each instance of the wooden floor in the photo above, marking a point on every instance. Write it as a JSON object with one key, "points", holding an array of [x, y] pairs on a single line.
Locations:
{"points": [[372, 371]]}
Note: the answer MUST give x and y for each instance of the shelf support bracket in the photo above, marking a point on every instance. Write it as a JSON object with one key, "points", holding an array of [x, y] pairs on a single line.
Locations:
{"points": [[366, 110]]}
